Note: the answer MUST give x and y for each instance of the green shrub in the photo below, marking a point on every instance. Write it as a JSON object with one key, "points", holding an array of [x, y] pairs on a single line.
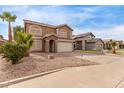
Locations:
{"points": [[1, 50], [13, 52], [23, 38]]}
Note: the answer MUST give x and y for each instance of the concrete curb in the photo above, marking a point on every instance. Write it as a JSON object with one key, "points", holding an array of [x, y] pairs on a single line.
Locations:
{"points": [[14, 81]]}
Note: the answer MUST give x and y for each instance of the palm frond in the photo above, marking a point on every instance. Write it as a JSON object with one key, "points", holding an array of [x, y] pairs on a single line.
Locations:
{"points": [[13, 18], [2, 17]]}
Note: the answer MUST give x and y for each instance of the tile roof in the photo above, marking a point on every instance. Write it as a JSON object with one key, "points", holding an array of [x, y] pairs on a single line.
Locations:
{"points": [[39, 23], [94, 40], [83, 35]]}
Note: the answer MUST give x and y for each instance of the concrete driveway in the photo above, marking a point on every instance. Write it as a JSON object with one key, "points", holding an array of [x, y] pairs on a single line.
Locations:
{"points": [[109, 74]]}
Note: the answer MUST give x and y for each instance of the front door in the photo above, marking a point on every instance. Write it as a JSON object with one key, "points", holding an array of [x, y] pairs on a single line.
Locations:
{"points": [[52, 46]]}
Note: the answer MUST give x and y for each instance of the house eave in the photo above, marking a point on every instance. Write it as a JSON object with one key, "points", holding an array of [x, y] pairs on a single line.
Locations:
{"points": [[38, 23]]}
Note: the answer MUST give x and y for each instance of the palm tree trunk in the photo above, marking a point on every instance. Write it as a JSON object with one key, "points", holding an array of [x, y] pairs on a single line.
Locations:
{"points": [[9, 32]]}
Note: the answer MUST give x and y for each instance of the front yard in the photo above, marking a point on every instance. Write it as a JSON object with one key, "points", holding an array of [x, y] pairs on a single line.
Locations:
{"points": [[38, 62], [118, 52]]}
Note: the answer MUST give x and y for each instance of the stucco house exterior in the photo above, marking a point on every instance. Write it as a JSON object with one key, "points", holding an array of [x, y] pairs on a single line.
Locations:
{"points": [[49, 38], [120, 44], [87, 41]]}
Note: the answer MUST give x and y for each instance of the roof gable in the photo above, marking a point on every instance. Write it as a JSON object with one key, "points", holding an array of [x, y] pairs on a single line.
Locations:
{"points": [[95, 40], [64, 25]]}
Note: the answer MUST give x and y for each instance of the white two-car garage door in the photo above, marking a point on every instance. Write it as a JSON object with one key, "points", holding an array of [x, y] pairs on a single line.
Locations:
{"points": [[64, 47]]}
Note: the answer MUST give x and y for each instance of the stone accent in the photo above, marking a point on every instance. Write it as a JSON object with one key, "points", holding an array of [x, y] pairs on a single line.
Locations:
{"points": [[47, 46], [83, 44]]}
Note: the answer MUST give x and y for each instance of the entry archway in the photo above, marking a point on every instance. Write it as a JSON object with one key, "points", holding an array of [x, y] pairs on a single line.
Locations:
{"points": [[52, 46]]}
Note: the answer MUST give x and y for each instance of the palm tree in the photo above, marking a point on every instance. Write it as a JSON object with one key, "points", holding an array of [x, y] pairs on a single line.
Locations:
{"points": [[113, 44], [6, 16]]}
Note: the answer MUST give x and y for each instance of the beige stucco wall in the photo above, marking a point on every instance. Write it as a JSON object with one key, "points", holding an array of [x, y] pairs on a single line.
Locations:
{"points": [[37, 45], [45, 30], [49, 30], [99, 45], [67, 30]]}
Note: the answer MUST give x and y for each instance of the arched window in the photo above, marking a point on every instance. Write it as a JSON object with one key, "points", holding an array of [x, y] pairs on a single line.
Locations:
{"points": [[35, 30], [62, 33]]}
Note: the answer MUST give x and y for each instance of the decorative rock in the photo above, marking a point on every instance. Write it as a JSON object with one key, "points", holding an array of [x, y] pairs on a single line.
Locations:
{"points": [[50, 57]]}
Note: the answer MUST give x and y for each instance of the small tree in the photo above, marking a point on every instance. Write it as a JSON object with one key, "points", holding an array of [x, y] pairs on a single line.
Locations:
{"points": [[17, 29], [23, 38], [13, 52]]}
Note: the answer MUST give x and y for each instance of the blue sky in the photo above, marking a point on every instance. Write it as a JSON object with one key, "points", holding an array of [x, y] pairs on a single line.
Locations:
{"points": [[104, 21]]}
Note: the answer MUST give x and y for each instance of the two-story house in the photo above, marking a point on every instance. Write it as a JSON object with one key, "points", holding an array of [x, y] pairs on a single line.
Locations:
{"points": [[50, 38], [87, 41]]}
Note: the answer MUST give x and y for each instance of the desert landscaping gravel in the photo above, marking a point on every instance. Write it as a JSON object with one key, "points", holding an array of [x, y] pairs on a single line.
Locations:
{"points": [[38, 62]]}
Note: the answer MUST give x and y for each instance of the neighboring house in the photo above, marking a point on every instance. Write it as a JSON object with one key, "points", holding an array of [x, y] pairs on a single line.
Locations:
{"points": [[49, 38], [87, 41], [120, 44], [2, 40], [107, 44]]}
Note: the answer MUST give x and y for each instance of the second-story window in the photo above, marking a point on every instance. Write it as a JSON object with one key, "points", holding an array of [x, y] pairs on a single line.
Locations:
{"points": [[61, 33], [35, 30]]}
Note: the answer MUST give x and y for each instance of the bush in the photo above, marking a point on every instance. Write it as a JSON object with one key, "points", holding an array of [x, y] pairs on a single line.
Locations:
{"points": [[23, 38], [13, 52]]}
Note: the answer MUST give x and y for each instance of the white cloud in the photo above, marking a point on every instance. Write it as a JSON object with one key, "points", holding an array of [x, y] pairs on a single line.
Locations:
{"points": [[48, 14], [55, 15], [59, 15], [115, 32], [14, 8]]}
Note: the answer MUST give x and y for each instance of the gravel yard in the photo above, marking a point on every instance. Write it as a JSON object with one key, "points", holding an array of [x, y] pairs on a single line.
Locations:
{"points": [[38, 62]]}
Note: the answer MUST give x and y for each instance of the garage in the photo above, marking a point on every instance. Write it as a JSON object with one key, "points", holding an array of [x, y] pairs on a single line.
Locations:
{"points": [[64, 47], [37, 45], [90, 45]]}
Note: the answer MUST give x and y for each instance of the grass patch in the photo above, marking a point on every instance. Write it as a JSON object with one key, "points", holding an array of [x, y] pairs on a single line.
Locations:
{"points": [[91, 51]]}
